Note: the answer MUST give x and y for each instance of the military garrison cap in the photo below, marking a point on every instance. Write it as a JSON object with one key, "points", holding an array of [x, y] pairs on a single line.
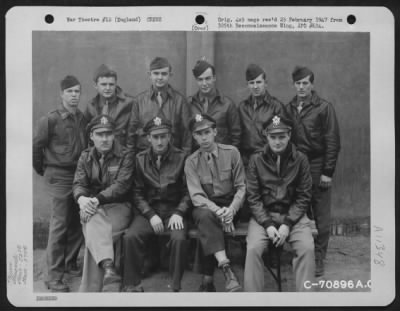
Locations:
{"points": [[104, 71], [201, 66], [159, 62], [277, 124], [102, 121], [200, 122], [69, 81], [300, 72], [253, 71], [157, 123]]}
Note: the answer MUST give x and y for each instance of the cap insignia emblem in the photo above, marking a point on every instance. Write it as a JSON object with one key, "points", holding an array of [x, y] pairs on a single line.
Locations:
{"points": [[104, 120], [276, 121], [199, 118], [157, 121]]}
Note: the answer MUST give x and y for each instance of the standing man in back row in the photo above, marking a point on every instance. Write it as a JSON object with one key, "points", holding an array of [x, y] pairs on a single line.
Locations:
{"points": [[208, 100], [110, 100], [317, 136], [160, 100]]}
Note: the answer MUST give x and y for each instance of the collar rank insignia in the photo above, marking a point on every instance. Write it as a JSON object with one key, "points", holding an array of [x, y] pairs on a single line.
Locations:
{"points": [[104, 120], [276, 121], [199, 118], [157, 121]]}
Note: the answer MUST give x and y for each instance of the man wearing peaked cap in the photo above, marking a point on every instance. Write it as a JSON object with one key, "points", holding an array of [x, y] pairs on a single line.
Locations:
{"points": [[317, 136], [57, 145], [255, 111], [209, 100], [163, 100], [161, 204], [110, 100], [279, 194], [216, 184], [101, 187]]}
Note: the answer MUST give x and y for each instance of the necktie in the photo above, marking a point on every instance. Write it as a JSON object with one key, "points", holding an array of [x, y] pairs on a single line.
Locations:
{"points": [[101, 162], [255, 104], [159, 99], [105, 108], [205, 105], [300, 107], [278, 165], [211, 163], [158, 162]]}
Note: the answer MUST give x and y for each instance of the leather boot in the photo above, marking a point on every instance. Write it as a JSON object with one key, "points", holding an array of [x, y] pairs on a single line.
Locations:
{"points": [[231, 282], [57, 286], [111, 279]]}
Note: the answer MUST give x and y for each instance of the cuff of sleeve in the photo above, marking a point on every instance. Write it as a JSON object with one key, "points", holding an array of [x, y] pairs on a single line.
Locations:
{"points": [[101, 198], [267, 223], [287, 221], [178, 212], [149, 214], [327, 172]]}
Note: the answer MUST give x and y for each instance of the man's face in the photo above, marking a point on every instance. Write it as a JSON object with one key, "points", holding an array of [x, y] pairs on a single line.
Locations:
{"points": [[205, 138], [303, 87], [160, 77], [102, 139], [106, 86], [70, 97], [159, 141], [206, 82], [278, 141], [257, 86]]}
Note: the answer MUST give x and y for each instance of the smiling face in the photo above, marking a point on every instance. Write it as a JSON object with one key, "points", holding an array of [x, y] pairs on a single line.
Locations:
{"points": [[206, 81], [257, 86], [70, 96], [160, 77], [106, 86], [304, 87], [159, 140], [278, 141], [102, 139]]}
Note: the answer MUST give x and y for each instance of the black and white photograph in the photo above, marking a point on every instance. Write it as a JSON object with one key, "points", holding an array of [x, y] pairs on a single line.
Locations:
{"points": [[232, 155]]}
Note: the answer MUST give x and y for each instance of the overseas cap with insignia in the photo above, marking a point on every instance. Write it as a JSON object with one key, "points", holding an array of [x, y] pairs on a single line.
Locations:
{"points": [[201, 66], [69, 81], [104, 71], [253, 71], [158, 123], [102, 121], [201, 122], [159, 63], [301, 72], [277, 124]]}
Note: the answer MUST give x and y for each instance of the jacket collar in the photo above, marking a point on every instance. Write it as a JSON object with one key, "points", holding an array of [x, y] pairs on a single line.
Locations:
{"points": [[116, 151], [313, 100], [64, 113], [198, 98], [266, 99], [168, 91], [119, 95], [153, 157], [289, 152]]}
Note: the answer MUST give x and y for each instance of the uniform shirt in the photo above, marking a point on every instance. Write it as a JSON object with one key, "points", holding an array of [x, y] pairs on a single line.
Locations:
{"points": [[287, 193], [224, 111], [316, 131], [109, 182], [161, 191], [251, 120], [146, 107], [119, 109], [210, 190], [59, 140]]}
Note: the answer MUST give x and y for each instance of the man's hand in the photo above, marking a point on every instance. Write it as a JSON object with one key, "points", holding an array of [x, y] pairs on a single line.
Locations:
{"points": [[88, 205], [273, 234], [85, 217], [157, 224], [283, 234], [228, 227], [226, 214], [175, 222], [325, 181]]}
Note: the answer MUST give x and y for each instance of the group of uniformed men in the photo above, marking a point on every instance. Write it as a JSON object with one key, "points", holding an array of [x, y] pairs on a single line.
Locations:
{"points": [[159, 161]]}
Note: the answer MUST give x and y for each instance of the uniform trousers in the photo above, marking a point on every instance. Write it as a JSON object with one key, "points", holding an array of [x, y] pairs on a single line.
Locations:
{"points": [[211, 237], [101, 231], [321, 209], [136, 241], [300, 239], [65, 231]]}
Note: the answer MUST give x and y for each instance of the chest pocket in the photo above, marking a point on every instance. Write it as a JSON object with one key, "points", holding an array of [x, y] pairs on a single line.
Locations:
{"points": [[112, 172], [225, 175]]}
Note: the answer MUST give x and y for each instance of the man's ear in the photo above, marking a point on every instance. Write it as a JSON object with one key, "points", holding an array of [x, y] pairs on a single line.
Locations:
{"points": [[149, 138]]}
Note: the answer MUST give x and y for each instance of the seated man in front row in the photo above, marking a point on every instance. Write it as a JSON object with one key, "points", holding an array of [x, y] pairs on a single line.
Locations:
{"points": [[279, 193], [161, 201], [102, 181], [216, 183]]}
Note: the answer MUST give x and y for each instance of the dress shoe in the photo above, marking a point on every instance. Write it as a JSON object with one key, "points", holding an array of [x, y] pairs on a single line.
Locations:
{"points": [[74, 270], [319, 267], [231, 282], [111, 279], [134, 289], [207, 287], [57, 286]]}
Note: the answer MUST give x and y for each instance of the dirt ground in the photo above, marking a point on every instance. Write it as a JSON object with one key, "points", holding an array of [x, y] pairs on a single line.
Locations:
{"points": [[348, 259]]}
